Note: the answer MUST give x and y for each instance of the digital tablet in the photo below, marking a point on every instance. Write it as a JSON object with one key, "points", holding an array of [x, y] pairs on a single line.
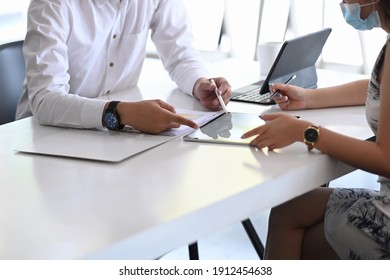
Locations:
{"points": [[226, 129], [297, 57]]}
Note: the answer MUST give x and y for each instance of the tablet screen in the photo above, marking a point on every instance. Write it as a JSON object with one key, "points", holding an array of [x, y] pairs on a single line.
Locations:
{"points": [[227, 128]]}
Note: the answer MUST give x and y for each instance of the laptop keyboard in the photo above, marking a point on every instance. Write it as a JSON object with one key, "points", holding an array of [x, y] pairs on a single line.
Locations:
{"points": [[252, 96]]}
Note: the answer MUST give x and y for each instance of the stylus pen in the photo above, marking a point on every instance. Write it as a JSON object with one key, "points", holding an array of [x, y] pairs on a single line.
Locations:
{"points": [[219, 96], [278, 91]]}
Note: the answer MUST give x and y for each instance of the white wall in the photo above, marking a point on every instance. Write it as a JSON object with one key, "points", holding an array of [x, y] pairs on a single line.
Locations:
{"points": [[346, 49], [343, 48], [345, 44], [12, 20]]}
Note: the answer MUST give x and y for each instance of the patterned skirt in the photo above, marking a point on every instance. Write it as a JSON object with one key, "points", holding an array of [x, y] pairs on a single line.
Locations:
{"points": [[354, 226]]}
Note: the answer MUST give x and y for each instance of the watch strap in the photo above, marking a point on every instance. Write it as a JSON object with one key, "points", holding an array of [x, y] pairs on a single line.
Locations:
{"points": [[311, 141], [112, 108]]}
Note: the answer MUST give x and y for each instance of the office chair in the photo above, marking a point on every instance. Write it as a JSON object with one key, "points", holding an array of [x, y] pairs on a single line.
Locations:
{"points": [[12, 74], [253, 237]]}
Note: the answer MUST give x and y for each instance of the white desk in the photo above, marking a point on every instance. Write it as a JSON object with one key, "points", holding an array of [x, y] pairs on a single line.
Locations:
{"points": [[162, 199]]}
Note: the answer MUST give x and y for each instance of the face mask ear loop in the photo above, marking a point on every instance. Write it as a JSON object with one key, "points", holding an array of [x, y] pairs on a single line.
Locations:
{"points": [[367, 4], [373, 4]]}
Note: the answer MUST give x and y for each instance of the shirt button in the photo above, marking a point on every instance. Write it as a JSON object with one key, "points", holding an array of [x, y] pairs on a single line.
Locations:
{"points": [[108, 91], [114, 36], [111, 64]]}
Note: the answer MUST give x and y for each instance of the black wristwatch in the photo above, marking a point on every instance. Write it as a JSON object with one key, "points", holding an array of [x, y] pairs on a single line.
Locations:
{"points": [[111, 119], [311, 135]]}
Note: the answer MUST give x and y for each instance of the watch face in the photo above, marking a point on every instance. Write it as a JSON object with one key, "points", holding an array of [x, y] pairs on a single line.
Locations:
{"points": [[311, 135], [110, 121]]}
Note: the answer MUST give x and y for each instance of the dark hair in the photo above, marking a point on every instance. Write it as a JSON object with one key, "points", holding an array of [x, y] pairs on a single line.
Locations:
{"points": [[385, 5]]}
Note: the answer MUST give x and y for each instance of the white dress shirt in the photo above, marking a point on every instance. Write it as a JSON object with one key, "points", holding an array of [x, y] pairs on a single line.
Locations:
{"points": [[78, 50]]}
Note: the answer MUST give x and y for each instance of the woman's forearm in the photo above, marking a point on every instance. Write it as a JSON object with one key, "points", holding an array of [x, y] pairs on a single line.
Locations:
{"points": [[349, 94]]}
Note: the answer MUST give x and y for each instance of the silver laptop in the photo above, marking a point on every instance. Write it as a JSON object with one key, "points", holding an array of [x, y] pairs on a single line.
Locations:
{"points": [[296, 57]]}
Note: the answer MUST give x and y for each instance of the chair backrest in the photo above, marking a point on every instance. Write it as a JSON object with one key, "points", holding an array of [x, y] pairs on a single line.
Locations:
{"points": [[12, 75]]}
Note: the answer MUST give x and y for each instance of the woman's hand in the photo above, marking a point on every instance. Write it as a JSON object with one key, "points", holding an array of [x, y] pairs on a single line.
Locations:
{"points": [[290, 97], [279, 130]]}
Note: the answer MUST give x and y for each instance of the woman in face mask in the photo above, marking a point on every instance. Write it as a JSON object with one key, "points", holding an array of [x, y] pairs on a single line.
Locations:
{"points": [[337, 223], [365, 19]]}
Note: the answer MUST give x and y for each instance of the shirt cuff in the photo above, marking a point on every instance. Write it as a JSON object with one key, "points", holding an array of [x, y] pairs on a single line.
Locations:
{"points": [[189, 84], [92, 112]]}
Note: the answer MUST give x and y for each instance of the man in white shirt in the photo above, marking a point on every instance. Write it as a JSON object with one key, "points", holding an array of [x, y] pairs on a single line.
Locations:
{"points": [[77, 50]]}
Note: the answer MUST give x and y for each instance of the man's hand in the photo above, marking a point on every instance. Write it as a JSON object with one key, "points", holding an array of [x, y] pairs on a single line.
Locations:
{"points": [[204, 90], [151, 116]]}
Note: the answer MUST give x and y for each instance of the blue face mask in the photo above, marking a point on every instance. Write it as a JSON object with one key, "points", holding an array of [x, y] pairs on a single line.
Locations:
{"points": [[351, 14]]}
